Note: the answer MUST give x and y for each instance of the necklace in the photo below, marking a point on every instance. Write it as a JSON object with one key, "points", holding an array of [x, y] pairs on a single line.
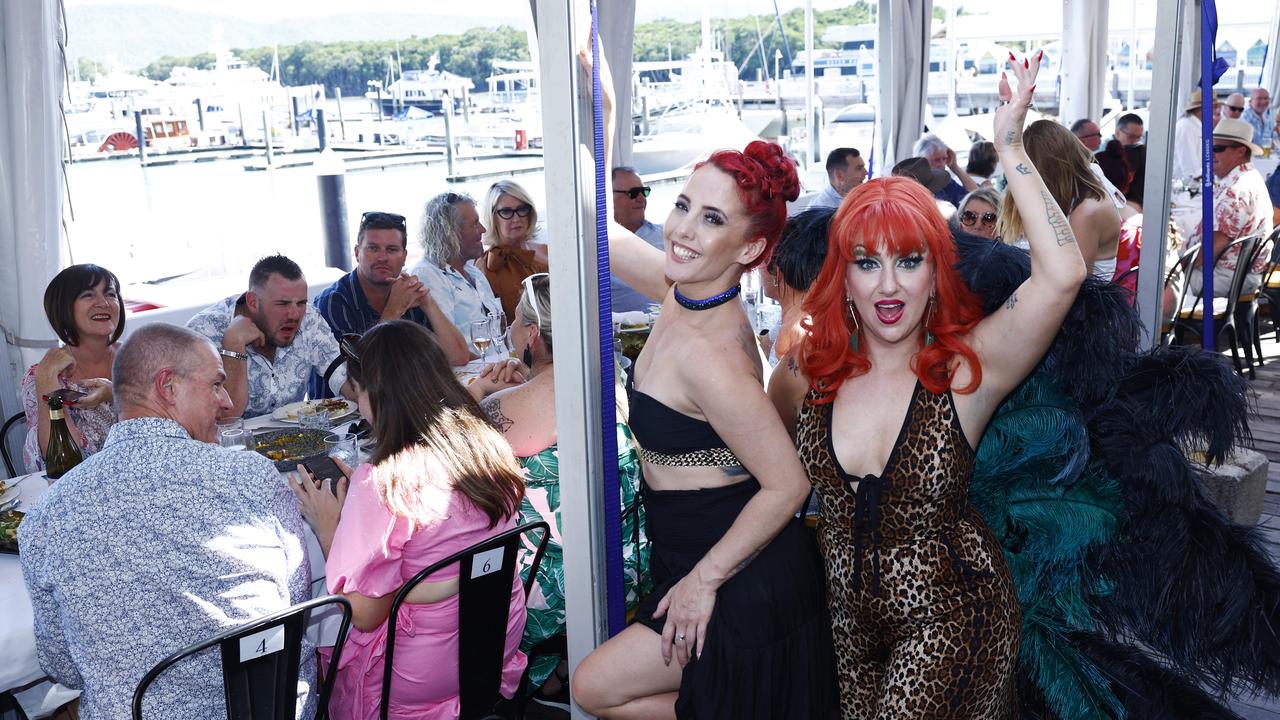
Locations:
{"points": [[708, 303]]}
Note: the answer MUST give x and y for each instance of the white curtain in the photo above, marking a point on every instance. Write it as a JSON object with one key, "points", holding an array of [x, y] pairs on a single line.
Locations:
{"points": [[31, 189], [904, 31], [1083, 70], [1271, 71]]}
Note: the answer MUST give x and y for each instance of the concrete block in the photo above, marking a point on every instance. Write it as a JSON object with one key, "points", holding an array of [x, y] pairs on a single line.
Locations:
{"points": [[1238, 486]]}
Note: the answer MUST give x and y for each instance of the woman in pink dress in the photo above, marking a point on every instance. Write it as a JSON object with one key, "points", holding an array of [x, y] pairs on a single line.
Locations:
{"points": [[439, 480]]}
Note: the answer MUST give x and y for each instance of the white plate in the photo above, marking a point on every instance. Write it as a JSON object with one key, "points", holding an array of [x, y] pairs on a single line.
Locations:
{"points": [[8, 495], [289, 413]]}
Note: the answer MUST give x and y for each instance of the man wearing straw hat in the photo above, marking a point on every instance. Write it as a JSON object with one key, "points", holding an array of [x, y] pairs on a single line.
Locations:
{"points": [[1186, 139], [1241, 206]]}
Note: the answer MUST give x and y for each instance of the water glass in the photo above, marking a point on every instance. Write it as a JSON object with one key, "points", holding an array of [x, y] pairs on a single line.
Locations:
{"points": [[236, 439], [342, 446], [313, 418]]}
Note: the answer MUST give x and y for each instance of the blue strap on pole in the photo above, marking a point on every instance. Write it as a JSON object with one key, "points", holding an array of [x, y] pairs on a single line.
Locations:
{"points": [[609, 432], [1208, 33]]}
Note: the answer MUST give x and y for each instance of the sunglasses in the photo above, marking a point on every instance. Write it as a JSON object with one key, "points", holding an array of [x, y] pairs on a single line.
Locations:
{"points": [[1090, 135], [969, 218], [347, 346], [531, 297], [636, 192], [1224, 148], [508, 213], [1233, 108], [381, 221]]}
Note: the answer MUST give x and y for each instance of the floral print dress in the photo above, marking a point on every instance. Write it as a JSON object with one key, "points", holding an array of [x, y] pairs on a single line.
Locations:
{"points": [[542, 502]]}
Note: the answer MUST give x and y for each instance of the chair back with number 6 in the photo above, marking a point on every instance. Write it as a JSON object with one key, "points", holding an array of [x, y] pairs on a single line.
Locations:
{"points": [[486, 571], [260, 662]]}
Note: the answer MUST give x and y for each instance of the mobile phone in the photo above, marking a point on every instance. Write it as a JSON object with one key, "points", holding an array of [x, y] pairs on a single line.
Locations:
{"points": [[322, 467], [69, 396]]}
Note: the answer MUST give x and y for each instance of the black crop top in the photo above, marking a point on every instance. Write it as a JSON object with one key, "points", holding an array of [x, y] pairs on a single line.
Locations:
{"points": [[668, 437]]}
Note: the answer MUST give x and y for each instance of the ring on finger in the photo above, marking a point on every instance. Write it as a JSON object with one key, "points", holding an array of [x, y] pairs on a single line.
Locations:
{"points": [[680, 638]]}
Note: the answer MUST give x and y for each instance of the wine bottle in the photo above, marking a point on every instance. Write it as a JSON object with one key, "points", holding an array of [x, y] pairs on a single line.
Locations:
{"points": [[62, 453]]}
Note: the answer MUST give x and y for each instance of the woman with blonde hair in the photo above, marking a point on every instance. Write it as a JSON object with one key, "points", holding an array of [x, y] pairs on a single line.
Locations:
{"points": [[510, 254], [440, 478], [1065, 166], [978, 213]]}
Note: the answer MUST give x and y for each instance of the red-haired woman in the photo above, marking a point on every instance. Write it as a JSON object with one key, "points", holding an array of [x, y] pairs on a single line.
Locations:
{"points": [[896, 382], [738, 599]]}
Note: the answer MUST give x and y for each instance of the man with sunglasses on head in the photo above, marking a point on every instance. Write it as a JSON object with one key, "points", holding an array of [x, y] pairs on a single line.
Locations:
{"points": [[845, 171], [451, 237], [630, 198], [270, 338], [1241, 207], [377, 290]]}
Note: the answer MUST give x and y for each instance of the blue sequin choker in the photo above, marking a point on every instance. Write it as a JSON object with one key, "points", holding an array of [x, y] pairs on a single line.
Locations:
{"points": [[708, 303]]}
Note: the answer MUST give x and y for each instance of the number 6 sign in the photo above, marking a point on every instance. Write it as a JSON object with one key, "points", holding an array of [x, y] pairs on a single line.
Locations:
{"points": [[486, 562]]}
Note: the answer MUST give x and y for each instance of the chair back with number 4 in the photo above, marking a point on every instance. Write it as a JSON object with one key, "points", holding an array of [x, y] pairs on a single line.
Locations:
{"points": [[260, 663], [486, 571]]}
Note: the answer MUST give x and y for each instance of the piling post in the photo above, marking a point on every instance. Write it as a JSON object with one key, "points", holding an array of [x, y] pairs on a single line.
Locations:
{"points": [[342, 122], [321, 131], [293, 117], [332, 181], [266, 137], [447, 106], [200, 113], [244, 135], [142, 138]]}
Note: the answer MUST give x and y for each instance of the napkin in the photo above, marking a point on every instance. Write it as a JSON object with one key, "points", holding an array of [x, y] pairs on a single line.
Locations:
{"points": [[633, 318]]}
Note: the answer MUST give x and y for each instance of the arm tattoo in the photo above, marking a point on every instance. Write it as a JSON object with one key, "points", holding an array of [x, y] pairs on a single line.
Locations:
{"points": [[792, 366], [742, 565], [1057, 221], [493, 408], [1013, 300], [1008, 137], [735, 471], [1022, 169]]}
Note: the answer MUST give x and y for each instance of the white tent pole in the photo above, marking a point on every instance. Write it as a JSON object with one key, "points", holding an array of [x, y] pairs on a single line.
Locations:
{"points": [[564, 26], [810, 77], [1155, 203], [1271, 72], [31, 189], [1133, 52]]}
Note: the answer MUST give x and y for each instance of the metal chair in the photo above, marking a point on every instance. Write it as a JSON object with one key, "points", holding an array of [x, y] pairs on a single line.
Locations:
{"points": [[487, 570], [1185, 263], [1189, 317], [4, 442], [1269, 292], [263, 686]]}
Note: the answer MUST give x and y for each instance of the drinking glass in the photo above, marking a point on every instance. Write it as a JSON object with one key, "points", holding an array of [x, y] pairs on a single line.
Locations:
{"points": [[313, 418], [481, 338], [498, 331], [236, 439], [342, 446]]}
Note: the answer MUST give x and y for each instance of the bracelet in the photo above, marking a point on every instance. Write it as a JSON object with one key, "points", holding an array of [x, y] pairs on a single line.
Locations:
{"points": [[233, 354]]}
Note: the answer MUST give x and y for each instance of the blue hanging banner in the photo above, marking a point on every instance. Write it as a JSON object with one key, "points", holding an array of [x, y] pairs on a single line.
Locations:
{"points": [[614, 587], [1211, 68]]}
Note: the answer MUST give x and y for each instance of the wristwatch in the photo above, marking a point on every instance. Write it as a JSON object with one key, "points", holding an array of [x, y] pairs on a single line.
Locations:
{"points": [[233, 354]]}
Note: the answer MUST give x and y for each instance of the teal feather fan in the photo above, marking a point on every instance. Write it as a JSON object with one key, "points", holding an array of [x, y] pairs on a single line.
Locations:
{"points": [[1034, 487]]}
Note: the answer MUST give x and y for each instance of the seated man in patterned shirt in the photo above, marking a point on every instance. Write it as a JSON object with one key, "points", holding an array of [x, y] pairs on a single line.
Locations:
{"points": [[376, 290], [160, 540], [1241, 207], [450, 236], [273, 340]]}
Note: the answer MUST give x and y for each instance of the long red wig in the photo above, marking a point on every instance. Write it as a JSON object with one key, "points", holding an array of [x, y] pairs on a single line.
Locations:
{"points": [[766, 180], [889, 215]]}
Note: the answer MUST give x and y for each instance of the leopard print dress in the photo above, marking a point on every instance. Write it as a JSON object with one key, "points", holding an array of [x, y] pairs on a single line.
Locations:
{"points": [[924, 613]]}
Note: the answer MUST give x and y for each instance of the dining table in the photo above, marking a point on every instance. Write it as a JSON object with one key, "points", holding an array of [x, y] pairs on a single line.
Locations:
{"points": [[20, 670]]}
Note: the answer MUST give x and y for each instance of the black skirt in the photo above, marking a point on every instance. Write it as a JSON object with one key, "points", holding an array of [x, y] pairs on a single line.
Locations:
{"points": [[768, 651]]}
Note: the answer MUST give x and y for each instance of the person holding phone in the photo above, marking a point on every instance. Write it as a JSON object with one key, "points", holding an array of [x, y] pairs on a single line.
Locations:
{"points": [[85, 310]]}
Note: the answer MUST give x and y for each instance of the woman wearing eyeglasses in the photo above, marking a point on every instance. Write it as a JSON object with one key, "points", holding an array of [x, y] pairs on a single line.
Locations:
{"points": [[525, 413], [1065, 166], [737, 626], [510, 253], [978, 213], [440, 479]]}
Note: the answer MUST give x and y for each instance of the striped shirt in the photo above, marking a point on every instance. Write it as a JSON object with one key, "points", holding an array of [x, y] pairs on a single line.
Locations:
{"points": [[344, 306]]}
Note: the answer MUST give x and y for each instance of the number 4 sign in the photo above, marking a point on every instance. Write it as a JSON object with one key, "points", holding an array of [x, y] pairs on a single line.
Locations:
{"points": [[262, 643], [486, 562]]}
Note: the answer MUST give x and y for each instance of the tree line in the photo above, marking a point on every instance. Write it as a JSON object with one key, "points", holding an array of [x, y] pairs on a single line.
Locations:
{"points": [[749, 41]]}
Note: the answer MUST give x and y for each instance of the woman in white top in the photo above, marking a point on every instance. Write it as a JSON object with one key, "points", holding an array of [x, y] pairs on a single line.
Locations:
{"points": [[1064, 164]]}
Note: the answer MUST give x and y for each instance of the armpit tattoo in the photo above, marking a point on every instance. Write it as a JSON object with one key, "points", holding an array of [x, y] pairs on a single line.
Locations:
{"points": [[1022, 169], [1013, 300], [1057, 221], [493, 408], [793, 366]]}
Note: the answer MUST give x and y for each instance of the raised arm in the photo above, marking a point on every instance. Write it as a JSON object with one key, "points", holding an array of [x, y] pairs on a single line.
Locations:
{"points": [[1012, 340]]}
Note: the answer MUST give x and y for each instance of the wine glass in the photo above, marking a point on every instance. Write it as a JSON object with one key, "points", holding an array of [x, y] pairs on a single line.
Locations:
{"points": [[481, 338], [498, 330]]}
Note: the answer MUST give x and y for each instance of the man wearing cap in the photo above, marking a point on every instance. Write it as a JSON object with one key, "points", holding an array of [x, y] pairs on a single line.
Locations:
{"points": [[1186, 139], [919, 169], [1241, 207]]}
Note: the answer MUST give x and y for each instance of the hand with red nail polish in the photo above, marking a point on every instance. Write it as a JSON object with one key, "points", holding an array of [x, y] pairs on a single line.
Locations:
{"points": [[1011, 114]]}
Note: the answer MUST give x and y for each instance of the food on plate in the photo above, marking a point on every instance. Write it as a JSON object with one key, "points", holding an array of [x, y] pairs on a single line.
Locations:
{"points": [[329, 405], [284, 447], [9, 522]]}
